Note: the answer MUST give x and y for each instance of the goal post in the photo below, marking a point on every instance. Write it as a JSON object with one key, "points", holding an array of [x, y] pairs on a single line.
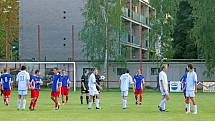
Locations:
{"points": [[45, 68]]}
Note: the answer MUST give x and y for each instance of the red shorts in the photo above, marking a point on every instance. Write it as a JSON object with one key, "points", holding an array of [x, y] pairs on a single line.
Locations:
{"points": [[35, 93], [55, 94], [6, 92], [138, 91], [64, 91]]}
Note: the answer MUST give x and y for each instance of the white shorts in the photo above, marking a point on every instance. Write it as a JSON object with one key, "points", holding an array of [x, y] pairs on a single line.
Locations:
{"points": [[124, 93], [190, 93], [23, 92], [164, 93], [93, 92]]}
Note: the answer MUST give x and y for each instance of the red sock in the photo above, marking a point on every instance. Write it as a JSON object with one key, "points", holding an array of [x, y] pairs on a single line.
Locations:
{"points": [[56, 103], [141, 98], [136, 97], [34, 104]]}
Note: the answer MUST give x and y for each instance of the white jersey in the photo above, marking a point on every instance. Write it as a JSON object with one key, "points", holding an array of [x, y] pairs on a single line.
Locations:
{"points": [[92, 82], [191, 80], [22, 78], [125, 80], [163, 77]]}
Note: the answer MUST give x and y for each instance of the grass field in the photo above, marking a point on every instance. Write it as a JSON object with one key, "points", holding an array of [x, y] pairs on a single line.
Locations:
{"points": [[111, 109]]}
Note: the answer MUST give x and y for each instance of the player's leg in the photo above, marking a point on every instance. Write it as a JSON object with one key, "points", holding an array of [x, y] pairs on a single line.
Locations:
{"points": [[124, 99], [56, 103], [136, 96], [141, 98], [97, 100], [24, 102], [87, 97], [90, 102], [4, 96], [32, 100], [37, 92], [19, 100], [81, 97], [188, 104], [194, 102], [62, 95]]}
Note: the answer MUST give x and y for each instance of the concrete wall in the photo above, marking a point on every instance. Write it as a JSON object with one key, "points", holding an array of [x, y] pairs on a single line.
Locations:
{"points": [[49, 14], [176, 70]]}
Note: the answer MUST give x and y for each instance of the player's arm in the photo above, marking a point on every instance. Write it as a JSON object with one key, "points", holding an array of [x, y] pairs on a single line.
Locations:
{"points": [[143, 83], [98, 86], [132, 83], [195, 78], [69, 83], [82, 83]]}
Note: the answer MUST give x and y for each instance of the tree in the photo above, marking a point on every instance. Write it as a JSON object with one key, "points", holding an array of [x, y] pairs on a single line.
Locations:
{"points": [[184, 45], [100, 14], [163, 25], [204, 31]]}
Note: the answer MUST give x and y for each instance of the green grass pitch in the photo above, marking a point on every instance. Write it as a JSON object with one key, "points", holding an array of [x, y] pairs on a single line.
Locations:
{"points": [[111, 108]]}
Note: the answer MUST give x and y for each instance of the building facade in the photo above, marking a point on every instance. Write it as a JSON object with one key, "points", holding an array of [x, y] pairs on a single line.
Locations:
{"points": [[49, 30]]}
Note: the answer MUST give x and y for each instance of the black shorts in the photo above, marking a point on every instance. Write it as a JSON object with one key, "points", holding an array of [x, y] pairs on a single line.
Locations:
{"points": [[84, 91]]}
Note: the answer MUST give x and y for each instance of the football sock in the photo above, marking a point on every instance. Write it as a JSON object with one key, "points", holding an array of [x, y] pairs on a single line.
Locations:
{"points": [[97, 103], [81, 99], [87, 99], [24, 103], [18, 103], [136, 97], [195, 108], [141, 98]]}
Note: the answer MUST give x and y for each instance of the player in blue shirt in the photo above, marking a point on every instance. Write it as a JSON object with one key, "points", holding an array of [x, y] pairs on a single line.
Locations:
{"points": [[139, 86], [183, 83], [36, 81], [65, 86], [56, 87], [6, 82]]}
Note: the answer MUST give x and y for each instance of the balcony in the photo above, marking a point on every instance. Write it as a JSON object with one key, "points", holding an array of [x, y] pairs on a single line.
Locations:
{"points": [[135, 16], [133, 41]]}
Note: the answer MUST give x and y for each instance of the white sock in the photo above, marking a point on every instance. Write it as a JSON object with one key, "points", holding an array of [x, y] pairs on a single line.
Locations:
{"points": [[162, 104], [18, 103], [124, 103], [90, 104], [195, 108], [97, 103], [188, 107], [24, 104]]}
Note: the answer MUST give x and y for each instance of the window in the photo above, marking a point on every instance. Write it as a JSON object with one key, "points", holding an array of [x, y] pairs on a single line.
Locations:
{"points": [[155, 71], [120, 71]]}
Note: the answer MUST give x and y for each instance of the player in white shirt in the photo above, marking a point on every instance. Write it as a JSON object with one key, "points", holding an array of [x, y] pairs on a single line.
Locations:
{"points": [[93, 90], [191, 88], [125, 81], [163, 82], [22, 80]]}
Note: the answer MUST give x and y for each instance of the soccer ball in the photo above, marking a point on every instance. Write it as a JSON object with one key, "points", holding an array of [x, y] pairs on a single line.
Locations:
{"points": [[102, 77]]}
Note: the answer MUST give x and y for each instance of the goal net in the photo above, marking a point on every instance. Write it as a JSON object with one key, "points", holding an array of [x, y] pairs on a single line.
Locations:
{"points": [[45, 69]]}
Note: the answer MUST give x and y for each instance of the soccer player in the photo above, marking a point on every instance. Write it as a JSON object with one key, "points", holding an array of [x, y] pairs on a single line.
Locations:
{"points": [[1, 85], [163, 82], [7, 83], [35, 83], [125, 80], [183, 85], [56, 87], [84, 86], [98, 80], [65, 86], [191, 88], [139, 86], [93, 90], [22, 79]]}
